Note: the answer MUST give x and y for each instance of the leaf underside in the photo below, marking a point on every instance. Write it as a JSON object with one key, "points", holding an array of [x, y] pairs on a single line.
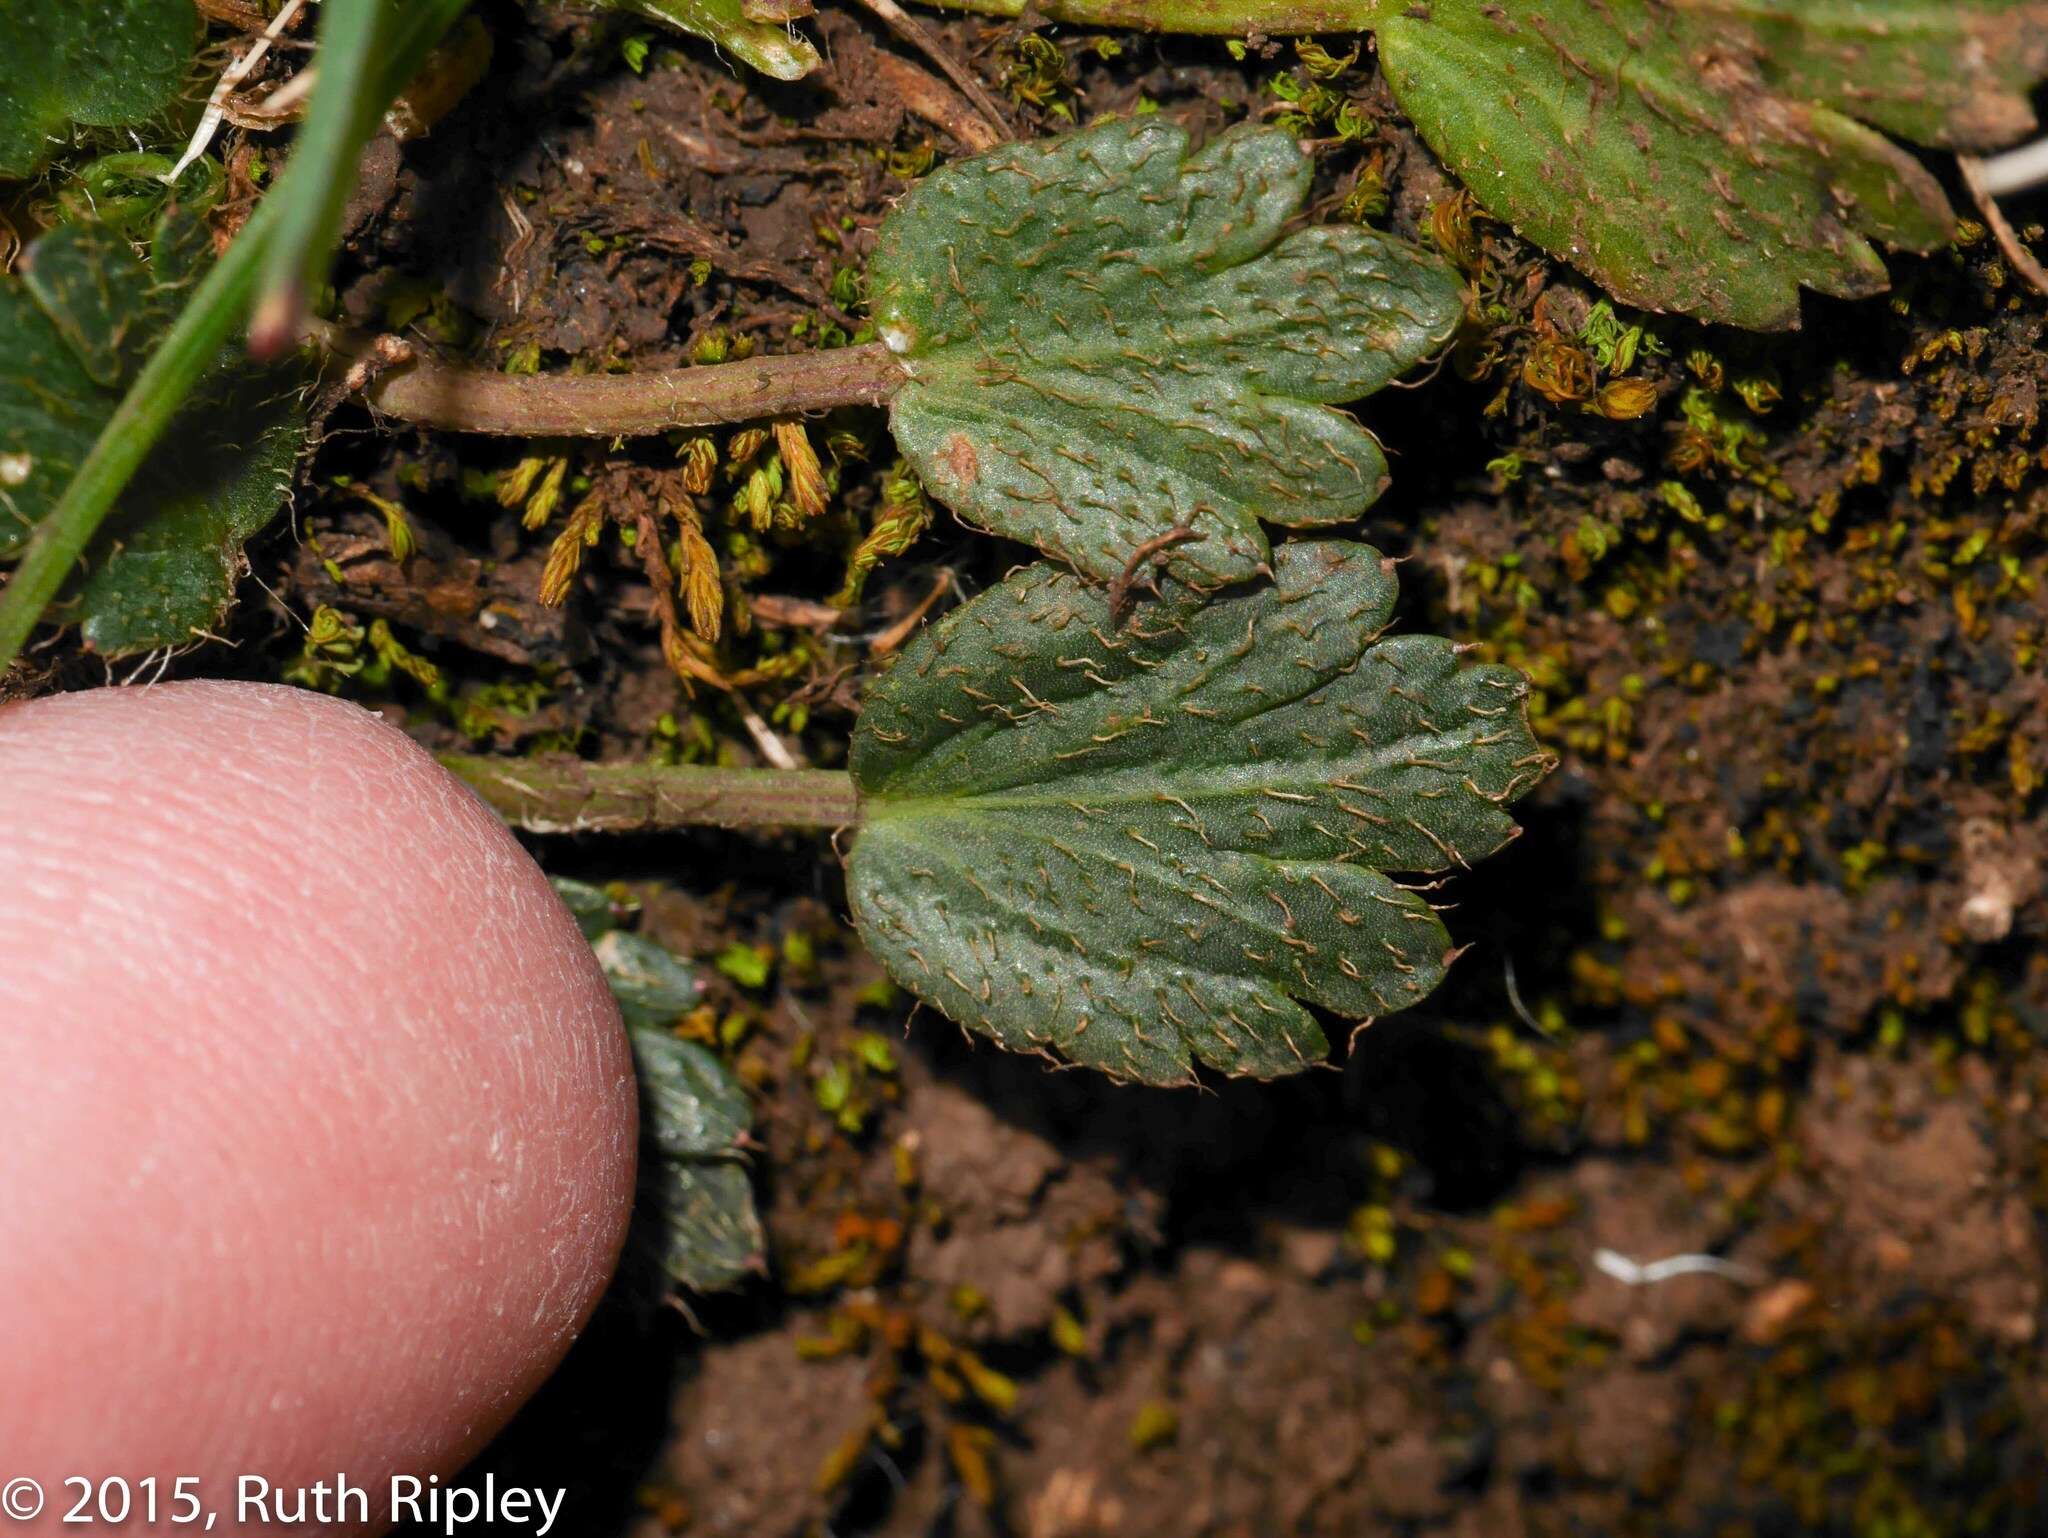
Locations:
{"points": [[96, 63], [1706, 155], [73, 329], [1138, 849], [1109, 337]]}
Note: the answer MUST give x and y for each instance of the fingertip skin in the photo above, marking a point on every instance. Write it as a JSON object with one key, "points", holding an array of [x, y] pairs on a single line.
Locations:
{"points": [[318, 1144]]}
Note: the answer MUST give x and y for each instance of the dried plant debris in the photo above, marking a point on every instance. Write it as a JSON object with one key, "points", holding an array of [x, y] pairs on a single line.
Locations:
{"points": [[74, 329], [85, 63], [1109, 338], [1137, 849], [1709, 156]]}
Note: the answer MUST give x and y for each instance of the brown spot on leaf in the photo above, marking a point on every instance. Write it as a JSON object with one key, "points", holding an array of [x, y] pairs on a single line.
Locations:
{"points": [[961, 460]]}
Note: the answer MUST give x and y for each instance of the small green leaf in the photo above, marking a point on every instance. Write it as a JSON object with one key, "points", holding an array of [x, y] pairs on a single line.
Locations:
{"points": [[1139, 848], [695, 1107], [747, 965], [1109, 337], [73, 330], [654, 986], [876, 1052], [711, 1236], [590, 905], [774, 48], [95, 63], [98, 296], [126, 191], [693, 1113], [1705, 156]]}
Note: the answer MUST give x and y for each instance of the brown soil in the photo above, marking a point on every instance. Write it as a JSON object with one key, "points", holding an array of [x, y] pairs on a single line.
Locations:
{"points": [[1762, 981]]}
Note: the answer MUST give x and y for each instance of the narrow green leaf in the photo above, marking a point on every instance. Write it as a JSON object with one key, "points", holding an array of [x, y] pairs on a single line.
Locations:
{"points": [[774, 48], [1109, 337], [96, 63], [1137, 849], [368, 50]]}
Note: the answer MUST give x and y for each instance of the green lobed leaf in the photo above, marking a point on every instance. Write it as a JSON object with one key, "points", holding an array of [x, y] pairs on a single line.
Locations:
{"points": [[1955, 73], [73, 329], [96, 63], [98, 298], [774, 48], [1704, 155], [1109, 337], [1143, 848], [693, 1113]]}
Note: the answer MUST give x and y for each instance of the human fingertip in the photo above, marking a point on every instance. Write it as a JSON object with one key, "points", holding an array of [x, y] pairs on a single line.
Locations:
{"points": [[329, 1149]]}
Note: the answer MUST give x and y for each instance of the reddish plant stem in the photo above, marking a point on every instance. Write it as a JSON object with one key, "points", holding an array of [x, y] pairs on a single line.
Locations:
{"points": [[567, 795], [469, 400]]}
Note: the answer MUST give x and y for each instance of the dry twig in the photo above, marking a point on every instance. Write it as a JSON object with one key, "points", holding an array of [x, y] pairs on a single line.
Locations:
{"points": [[919, 36], [928, 99]]}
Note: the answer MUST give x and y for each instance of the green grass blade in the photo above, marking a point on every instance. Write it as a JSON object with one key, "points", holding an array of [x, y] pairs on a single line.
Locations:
{"points": [[368, 50]]}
